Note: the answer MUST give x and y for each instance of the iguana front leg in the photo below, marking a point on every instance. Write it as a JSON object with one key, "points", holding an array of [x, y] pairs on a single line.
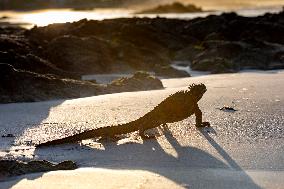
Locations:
{"points": [[198, 118]]}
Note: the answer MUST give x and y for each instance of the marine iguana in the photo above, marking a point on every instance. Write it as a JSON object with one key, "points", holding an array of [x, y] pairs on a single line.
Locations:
{"points": [[174, 108]]}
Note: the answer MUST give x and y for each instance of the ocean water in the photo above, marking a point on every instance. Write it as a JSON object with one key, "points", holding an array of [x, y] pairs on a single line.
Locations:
{"points": [[28, 19]]}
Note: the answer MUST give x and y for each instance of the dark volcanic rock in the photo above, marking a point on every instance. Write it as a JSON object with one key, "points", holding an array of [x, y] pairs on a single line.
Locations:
{"points": [[139, 81], [201, 28], [149, 44], [215, 65], [85, 55], [102, 47], [218, 56], [189, 52], [15, 167], [23, 86], [7, 73], [170, 72], [238, 55], [16, 51], [42, 57], [175, 7]]}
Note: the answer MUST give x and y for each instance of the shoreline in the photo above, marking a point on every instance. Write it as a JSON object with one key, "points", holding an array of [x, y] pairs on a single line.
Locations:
{"points": [[125, 13]]}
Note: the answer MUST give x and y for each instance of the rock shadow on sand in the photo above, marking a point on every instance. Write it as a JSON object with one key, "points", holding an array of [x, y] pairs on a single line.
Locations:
{"points": [[16, 119]]}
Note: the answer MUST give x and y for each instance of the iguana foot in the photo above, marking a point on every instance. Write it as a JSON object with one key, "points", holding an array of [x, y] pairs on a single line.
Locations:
{"points": [[145, 137], [109, 139], [203, 124]]}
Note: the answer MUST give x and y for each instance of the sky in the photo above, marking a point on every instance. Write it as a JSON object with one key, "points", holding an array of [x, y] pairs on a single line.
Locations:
{"points": [[204, 4]]}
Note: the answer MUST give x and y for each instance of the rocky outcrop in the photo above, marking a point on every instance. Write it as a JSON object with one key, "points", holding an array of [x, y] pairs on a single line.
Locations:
{"points": [[169, 72], [175, 7], [41, 58], [139, 81], [23, 86], [86, 55], [17, 51], [102, 47], [151, 44], [16, 168], [214, 64], [229, 43]]}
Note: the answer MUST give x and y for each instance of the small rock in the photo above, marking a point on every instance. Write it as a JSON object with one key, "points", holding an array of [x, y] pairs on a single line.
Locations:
{"points": [[8, 135], [139, 81], [228, 108], [15, 167]]}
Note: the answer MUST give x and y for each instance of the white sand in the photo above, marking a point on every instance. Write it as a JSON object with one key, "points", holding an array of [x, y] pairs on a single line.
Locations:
{"points": [[242, 150]]}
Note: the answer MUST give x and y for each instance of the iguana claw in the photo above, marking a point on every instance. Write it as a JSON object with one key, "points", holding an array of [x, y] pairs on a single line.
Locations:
{"points": [[203, 124], [145, 137]]}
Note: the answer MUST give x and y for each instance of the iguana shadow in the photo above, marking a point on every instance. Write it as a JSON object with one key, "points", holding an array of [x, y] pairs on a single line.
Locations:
{"points": [[151, 156], [193, 158]]}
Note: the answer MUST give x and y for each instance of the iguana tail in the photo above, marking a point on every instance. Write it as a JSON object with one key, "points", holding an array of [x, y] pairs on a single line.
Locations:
{"points": [[70, 139], [109, 131]]}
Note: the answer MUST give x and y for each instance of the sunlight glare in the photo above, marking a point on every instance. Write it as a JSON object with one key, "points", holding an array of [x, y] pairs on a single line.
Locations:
{"points": [[44, 18], [48, 17]]}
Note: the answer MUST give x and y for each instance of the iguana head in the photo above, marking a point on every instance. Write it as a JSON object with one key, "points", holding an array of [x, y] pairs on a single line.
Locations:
{"points": [[197, 90]]}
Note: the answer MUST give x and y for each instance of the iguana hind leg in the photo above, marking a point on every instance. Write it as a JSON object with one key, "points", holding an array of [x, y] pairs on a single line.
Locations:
{"points": [[198, 118], [113, 138], [142, 134]]}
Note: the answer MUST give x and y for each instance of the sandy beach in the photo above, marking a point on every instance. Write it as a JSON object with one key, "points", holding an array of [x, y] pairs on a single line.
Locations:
{"points": [[243, 149]]}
